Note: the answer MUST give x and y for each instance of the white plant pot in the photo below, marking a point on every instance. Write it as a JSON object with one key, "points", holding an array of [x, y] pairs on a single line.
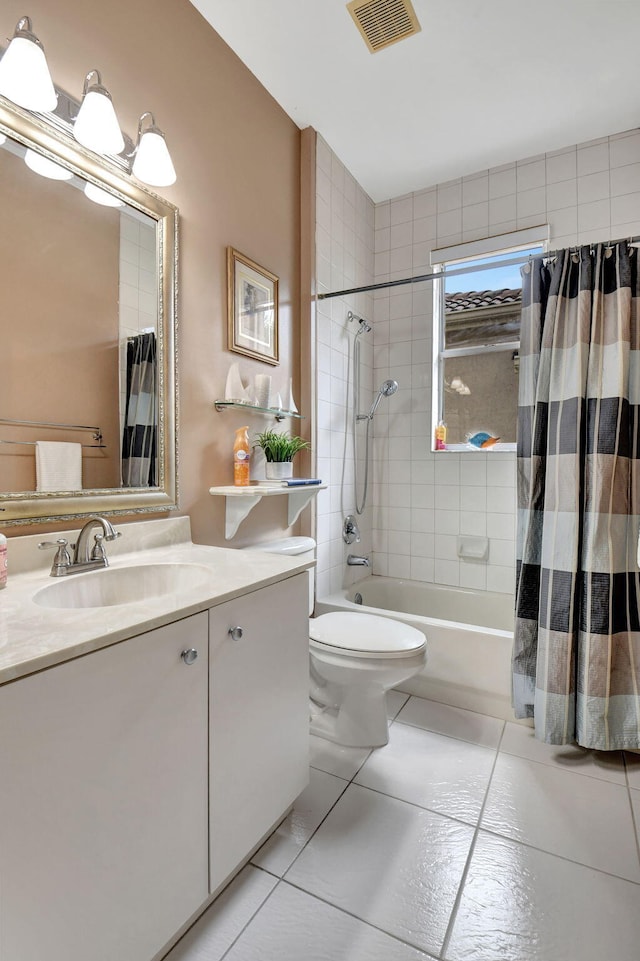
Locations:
{"points": [[278, 470]]}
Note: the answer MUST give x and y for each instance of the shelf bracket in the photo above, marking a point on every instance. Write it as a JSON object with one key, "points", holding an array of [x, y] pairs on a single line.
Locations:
{"points": [[236, 509], [298, 500]]}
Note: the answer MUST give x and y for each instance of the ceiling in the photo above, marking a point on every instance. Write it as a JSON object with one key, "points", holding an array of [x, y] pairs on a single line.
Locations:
{"points": [[483, 83]]}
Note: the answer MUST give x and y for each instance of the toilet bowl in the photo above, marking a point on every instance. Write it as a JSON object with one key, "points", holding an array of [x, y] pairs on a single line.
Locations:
{"points": [[354, 660]]}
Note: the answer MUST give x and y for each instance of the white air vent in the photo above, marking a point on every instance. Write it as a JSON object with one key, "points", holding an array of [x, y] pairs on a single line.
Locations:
{"points": [[383, 22]]}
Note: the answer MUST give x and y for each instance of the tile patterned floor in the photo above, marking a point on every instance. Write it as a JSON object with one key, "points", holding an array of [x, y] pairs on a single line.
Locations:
{"points": [[464, 839]]}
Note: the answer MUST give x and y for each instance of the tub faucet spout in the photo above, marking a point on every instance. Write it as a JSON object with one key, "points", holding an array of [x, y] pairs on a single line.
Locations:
{"points": [[355, 560]]}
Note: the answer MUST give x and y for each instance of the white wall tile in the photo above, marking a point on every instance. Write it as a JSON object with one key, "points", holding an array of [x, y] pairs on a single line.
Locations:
{"points": [[530, 175], [449, 197], [625, 150], [593, 187], [561, 166], [502, 182], [591, 159], [475, 190], [563, 194]]}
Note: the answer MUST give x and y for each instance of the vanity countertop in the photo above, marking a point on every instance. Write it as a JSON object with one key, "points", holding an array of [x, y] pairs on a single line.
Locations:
{"points": [[34, 637]]}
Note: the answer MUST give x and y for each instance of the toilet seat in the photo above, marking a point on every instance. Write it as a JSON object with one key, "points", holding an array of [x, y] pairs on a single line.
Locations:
{"points": [[364, 635]]}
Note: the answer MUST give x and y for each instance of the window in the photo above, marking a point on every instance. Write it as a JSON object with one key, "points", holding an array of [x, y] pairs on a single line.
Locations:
{"points": [[477, 339]]}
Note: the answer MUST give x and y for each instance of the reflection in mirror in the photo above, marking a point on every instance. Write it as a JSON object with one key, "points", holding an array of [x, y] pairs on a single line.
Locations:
{"points": [[86, 273]]}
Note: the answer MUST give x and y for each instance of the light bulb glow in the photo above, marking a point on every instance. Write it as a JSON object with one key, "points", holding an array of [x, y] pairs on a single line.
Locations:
{"points": [[100, 196], [25, 77], [45, 167], [96, 125], [153, 164]]}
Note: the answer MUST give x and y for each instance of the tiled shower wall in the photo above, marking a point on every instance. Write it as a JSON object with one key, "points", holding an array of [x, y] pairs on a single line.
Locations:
{"points": [[420, 501], [344, 245], [586, 193]]}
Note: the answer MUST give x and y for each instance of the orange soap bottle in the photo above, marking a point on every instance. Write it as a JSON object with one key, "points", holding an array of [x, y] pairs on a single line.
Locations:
{"points": [[241, 457]]}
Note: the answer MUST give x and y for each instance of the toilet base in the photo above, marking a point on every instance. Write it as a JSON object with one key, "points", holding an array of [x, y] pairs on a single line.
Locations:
{"points": [[359, 721]]}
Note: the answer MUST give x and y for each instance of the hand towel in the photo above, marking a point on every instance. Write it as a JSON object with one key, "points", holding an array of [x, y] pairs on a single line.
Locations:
{"points": [[58, 466]]}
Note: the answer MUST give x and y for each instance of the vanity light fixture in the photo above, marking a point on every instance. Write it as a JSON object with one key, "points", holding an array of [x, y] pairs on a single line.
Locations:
{"points": [[152, 162], [100, 196], [24, 74], [45, 167], [96, 125]]}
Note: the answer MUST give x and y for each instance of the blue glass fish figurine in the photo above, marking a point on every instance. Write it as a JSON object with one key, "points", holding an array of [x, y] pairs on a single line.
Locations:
{"points": [[482, 440]]}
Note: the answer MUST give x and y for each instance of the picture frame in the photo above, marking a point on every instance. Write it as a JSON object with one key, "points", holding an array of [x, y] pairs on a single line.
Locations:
{"points": [[252, 293]]}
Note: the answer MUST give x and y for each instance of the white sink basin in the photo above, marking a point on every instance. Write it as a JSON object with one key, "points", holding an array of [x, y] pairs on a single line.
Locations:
{"points": [[122, 585]]}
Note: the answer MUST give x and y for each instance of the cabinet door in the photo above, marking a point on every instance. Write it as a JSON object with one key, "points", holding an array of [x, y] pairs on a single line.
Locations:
{"points": [[103, 800], [259, 710]]}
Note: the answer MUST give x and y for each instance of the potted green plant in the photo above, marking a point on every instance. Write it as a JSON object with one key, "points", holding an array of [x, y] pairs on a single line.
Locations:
{"points": [[279, 451]]}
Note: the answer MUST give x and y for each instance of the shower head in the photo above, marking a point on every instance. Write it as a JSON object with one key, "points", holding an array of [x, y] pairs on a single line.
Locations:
{"points": [[386, 390], [364, 327]]}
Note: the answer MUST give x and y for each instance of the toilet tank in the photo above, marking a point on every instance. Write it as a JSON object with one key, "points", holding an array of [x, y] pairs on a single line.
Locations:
{"points": [[302, 547]]}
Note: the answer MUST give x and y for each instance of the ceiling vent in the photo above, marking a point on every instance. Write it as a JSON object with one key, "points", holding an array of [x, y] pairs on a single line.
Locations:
{"points": [[383, 22]]}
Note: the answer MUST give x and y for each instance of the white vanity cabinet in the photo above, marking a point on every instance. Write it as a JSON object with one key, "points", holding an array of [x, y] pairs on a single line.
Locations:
{"points": [[103, 800], [259, 710]]}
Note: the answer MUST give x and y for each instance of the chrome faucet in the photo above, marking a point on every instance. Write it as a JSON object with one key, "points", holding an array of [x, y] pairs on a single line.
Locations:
{"points": [[84, 557], [355, 560]]}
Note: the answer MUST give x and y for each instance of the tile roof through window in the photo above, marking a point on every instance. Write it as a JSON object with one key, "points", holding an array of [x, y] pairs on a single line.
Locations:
{"points": [[475, 299]]}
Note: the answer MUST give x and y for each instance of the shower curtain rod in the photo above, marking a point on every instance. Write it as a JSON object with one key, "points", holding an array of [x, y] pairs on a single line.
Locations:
{"points": [[456, 271]]}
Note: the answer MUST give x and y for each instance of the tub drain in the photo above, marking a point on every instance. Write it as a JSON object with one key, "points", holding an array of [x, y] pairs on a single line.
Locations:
{"points": [[357, 599]]}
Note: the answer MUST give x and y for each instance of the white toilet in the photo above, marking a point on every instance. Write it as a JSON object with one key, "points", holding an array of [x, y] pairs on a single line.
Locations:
{"points": [[354, 660]]}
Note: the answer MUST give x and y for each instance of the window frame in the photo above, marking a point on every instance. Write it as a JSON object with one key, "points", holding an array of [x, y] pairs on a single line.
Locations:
{"points": [[454, 258]]}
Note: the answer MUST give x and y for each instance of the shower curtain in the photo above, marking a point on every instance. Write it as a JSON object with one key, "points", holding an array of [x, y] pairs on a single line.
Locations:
{"points": [[576, 660], [140, 424]]}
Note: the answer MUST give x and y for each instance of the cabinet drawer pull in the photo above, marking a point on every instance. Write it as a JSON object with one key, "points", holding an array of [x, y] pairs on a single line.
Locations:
{"points": [[190, 655], [235, 633]]}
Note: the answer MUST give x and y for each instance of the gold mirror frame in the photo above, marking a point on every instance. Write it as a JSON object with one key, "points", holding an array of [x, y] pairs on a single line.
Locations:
{"points": [[29, 507]]}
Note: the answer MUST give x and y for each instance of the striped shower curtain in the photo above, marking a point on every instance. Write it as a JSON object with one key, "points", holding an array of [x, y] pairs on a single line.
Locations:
{"points": [[576, 661], [140, 424]]}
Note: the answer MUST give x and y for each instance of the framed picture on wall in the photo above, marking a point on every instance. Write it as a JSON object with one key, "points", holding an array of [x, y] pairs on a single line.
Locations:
{"points": [[253, 308]]}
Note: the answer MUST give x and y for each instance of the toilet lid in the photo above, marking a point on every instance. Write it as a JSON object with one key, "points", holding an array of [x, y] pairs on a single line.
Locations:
{"points": [[366, 634]]}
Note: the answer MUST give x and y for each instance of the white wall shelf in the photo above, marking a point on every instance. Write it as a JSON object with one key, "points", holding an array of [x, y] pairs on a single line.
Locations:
{"points": [[240, 501], [274, 411]]}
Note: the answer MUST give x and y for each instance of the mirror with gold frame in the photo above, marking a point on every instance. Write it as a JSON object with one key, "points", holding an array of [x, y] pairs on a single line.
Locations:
{"points": [[88, 265]]}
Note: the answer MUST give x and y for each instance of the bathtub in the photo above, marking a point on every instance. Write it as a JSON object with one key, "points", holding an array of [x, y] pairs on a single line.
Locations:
{"points": [[469, 638]]}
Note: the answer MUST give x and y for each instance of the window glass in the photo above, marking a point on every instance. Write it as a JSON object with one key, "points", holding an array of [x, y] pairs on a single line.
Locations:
{"points": [[477, 328]]}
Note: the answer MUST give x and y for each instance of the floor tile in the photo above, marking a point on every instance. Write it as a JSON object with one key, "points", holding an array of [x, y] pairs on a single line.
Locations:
{"points": [[293, 926], [389, 863], [453, 721], [633, 769], [436, 772], [520, 741], [286, 842], [581, 818], [519, 904], [395, 702], [332, 758], [221, 923]]}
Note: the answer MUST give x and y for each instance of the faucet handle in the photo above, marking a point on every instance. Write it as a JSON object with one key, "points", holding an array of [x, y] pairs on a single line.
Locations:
{"points": [[98, 552], [62, 559], [46, 545]]}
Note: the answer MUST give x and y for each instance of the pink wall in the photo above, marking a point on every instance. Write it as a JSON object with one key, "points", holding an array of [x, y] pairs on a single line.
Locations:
{"points": [[237, 156]]}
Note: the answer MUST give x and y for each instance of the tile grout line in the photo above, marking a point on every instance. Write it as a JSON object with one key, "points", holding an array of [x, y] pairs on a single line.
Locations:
{"points": [[356, 917], [635, 823], [252, 918], [463, 880]]}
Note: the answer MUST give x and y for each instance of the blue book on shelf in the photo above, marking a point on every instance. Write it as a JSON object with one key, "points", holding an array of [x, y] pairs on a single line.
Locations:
{"points": [[302, 482]]}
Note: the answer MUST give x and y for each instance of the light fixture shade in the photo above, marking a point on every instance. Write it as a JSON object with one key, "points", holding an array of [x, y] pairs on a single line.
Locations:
{"points": [[45, 167], [100, 196], [24, 74], [96, 125], [152, 164]]}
